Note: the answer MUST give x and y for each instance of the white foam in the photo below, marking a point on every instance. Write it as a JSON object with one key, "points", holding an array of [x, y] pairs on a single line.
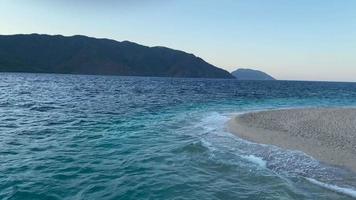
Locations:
{"points": [[213, 121], [214, 117], [257, 160], [347, 191]]}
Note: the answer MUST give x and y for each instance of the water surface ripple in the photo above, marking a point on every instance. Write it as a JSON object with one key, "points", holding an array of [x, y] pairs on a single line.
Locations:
{"points": [[107, 137]]}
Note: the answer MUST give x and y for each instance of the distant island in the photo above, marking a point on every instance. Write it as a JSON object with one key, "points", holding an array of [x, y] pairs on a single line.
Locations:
{"points": [[250, 74], [85, 55]]}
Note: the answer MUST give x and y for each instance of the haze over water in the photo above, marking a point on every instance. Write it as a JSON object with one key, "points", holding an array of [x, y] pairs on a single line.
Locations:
{"points": [[107, 137]]}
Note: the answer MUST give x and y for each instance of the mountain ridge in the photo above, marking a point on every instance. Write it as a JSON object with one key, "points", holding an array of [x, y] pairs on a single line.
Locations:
{"points": [[251, 74], [79, 54]]}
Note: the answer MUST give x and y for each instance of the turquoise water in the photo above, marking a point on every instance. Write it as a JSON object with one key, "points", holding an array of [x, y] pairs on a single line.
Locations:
{"points": [[103, 137]]}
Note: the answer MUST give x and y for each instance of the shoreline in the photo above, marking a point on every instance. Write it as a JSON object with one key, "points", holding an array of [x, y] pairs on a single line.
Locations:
{"points": [[327, 134]]}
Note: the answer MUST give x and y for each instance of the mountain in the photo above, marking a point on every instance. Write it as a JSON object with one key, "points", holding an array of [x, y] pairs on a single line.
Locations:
{"points": [[85, 55], [250, 74]]}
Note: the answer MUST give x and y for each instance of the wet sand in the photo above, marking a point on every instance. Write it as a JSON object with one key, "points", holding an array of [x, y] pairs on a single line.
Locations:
{"points": [[327, 134]]}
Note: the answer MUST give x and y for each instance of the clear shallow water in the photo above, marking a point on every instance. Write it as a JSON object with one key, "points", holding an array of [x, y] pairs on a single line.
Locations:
{"points": [[102, 137]]}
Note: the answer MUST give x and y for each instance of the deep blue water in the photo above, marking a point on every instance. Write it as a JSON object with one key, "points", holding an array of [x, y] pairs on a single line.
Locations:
{"points": [[107, 137]]}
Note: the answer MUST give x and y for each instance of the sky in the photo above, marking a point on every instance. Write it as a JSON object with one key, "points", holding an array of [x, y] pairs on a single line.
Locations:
{"points": [[289, 39]]}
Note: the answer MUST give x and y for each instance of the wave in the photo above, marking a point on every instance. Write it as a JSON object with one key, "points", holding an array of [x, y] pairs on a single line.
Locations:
{"points": [[257, 160], [342, 190]]}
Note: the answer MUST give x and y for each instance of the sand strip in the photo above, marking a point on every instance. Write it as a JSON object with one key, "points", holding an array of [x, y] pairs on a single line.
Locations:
{"points": [[327, 134]]}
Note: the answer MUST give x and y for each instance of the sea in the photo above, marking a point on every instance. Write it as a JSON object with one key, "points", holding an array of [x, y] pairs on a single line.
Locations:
{"points": [[88, 137]]}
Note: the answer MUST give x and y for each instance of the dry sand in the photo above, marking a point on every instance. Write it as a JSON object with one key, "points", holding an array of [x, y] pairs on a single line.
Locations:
{"points": [[327, 134]]}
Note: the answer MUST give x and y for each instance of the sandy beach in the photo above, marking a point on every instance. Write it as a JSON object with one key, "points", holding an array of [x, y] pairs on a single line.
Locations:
{"points": [[327, 134]]}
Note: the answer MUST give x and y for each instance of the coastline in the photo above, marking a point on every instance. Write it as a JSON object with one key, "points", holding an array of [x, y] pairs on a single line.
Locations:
{"points": [[327, 134]]}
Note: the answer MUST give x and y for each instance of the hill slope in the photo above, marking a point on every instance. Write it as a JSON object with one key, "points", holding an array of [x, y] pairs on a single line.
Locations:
{"points": [[84, 55], [249, 74]]}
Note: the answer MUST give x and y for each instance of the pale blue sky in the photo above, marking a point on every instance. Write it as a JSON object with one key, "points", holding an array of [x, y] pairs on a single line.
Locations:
{"points": [[290, 39]]}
